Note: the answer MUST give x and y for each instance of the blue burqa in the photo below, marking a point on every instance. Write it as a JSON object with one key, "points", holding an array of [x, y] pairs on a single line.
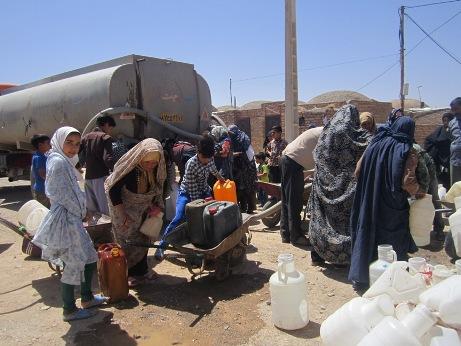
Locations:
{"points": [[380, 213]]}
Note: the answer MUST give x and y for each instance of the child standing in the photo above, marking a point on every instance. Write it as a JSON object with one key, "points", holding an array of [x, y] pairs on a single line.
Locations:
{"points": [[61, 235], [194, 184], [41, 144], [263, 175]]}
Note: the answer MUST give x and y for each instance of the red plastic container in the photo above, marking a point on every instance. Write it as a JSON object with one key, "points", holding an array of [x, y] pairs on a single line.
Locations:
{"points": [[113, 272]]}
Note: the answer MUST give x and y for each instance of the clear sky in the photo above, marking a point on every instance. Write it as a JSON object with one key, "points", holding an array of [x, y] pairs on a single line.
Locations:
{"points": [[239, 39]]}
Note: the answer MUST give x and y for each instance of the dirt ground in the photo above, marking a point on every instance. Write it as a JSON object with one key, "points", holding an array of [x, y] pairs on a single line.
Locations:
{"points": [[173, 310]]}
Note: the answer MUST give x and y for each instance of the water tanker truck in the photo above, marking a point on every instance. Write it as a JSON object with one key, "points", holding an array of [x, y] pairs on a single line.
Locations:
{"points": [[148, 97]]}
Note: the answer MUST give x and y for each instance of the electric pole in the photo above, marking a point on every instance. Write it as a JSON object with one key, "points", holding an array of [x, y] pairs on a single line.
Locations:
{"points": [[291, 73], [402, 58]]}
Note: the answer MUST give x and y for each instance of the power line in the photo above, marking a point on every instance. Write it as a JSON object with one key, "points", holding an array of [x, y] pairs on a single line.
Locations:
{"points": [[433, 40], [318, 67], [433, 3], [409, 51]]}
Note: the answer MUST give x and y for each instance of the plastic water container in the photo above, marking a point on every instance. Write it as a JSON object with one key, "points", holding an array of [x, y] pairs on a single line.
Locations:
{"points": [[386, 255], [226, 191], [417, 265], [440, 273], [399, 284], [351, 322], [455, 226], [288, 289], [457, 202], [441, 336], [455, 191], [422, 214], [31, 214], [408, 332], [442, 192], [445, 297]]}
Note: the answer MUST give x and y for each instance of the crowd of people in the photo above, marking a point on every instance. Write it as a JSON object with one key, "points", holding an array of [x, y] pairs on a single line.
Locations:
{"points": [[361, 177]]}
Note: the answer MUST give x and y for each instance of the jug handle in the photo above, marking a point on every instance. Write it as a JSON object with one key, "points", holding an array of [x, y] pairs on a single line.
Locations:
{"points": [[281, 268], [393, 255]]}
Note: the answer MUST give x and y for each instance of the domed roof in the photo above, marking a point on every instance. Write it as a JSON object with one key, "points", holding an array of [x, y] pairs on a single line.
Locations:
{"points": [[338, 96], [226, 108], [253, 104], [409, 103]]}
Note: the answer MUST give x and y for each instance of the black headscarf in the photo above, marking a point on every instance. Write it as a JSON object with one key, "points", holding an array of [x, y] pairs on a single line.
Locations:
{"points": [[437, 144], [380, 213]]}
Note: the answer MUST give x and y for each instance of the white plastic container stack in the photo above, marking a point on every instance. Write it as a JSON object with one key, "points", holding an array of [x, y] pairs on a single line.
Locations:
{"points": [[440, 273], [458, 266], [445, 297], [386, 255], [399, 284], [288, 289], [455, 191], [350, 323], [31, 214], [457, 202], [408, 332], [422, 214], [455, 226]]}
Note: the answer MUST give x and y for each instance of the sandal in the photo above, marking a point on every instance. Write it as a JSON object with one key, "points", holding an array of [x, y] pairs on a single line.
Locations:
{"points": [[97, 300], [79, 314], [133, 282], [150, 276]]}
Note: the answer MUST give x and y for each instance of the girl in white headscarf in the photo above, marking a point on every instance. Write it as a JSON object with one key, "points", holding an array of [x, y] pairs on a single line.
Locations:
{"points": [[61, 235]]}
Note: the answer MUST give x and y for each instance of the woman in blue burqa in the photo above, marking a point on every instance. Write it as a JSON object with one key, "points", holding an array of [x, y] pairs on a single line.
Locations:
{"points": [[244, 169], [380, 213], [339, 147]]}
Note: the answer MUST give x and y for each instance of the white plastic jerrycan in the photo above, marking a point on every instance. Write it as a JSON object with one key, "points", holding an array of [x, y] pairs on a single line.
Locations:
{"points": [[31, 214], [440, 273], [455, 226], [455, 191], [351, 322], [386, 255], [441, 336], [399, 284], [422, 214], [288, 291], [408, 332], [445, 297]]}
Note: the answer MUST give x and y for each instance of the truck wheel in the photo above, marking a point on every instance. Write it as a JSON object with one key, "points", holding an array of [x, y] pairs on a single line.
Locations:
{"points": [[273, 219]]}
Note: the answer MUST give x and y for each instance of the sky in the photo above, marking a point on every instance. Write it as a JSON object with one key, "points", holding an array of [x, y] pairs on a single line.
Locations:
{"points": [[242, 40]]}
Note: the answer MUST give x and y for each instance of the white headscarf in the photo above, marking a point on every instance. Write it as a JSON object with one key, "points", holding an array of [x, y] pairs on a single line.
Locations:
{"points": [[57, 145]]}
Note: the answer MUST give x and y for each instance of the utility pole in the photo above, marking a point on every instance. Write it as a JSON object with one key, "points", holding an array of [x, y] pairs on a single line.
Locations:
{"points": [[402, 58], [291, 72]]}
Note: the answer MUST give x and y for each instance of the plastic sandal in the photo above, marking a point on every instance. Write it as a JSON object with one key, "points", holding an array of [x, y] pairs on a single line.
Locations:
{"points": [[97, 300], [159, 254], [79, 314]]}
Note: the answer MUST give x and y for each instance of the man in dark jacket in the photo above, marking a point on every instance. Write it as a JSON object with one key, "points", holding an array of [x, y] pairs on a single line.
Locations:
{"points": [[96, 155]]}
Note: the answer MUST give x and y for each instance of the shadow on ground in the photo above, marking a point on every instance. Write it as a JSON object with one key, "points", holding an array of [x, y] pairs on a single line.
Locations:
{"points": [[104, 332], [311, 331], [201, 295], [15, 196]]}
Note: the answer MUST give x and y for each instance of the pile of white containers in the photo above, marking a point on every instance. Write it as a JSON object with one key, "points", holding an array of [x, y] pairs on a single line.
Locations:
{"points": [[409, 303]]}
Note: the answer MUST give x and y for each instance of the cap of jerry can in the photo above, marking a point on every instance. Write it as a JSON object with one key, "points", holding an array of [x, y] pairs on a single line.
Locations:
{"points": [[213, 210]]}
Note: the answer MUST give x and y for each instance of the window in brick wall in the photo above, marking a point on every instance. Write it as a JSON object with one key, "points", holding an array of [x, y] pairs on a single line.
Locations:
{"points": [[272, 120], [244, 125]]}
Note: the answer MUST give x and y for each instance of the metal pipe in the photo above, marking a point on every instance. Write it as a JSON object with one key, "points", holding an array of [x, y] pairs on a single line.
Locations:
{"points": [[218, 120], [276, 207], [140, 112]]}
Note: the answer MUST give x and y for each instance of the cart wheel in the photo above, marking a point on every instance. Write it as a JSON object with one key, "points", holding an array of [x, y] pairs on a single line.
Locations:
{"points": [[237, 255], [222, 267], [195, 264], [273, 219], [56, 269], [450, 246]]}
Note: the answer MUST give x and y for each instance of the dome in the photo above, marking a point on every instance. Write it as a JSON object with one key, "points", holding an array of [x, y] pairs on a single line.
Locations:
{"points": [[253, 104], [338, 96], [226, 108]]}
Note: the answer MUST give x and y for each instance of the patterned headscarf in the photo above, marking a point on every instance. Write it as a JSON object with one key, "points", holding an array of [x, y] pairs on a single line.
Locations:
{"points": [[240, 140], [57, 146], [133, 158], [219, 133]]}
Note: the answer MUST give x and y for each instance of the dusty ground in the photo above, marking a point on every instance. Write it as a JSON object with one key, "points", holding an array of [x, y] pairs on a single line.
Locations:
{"points": [[173, 310]]}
